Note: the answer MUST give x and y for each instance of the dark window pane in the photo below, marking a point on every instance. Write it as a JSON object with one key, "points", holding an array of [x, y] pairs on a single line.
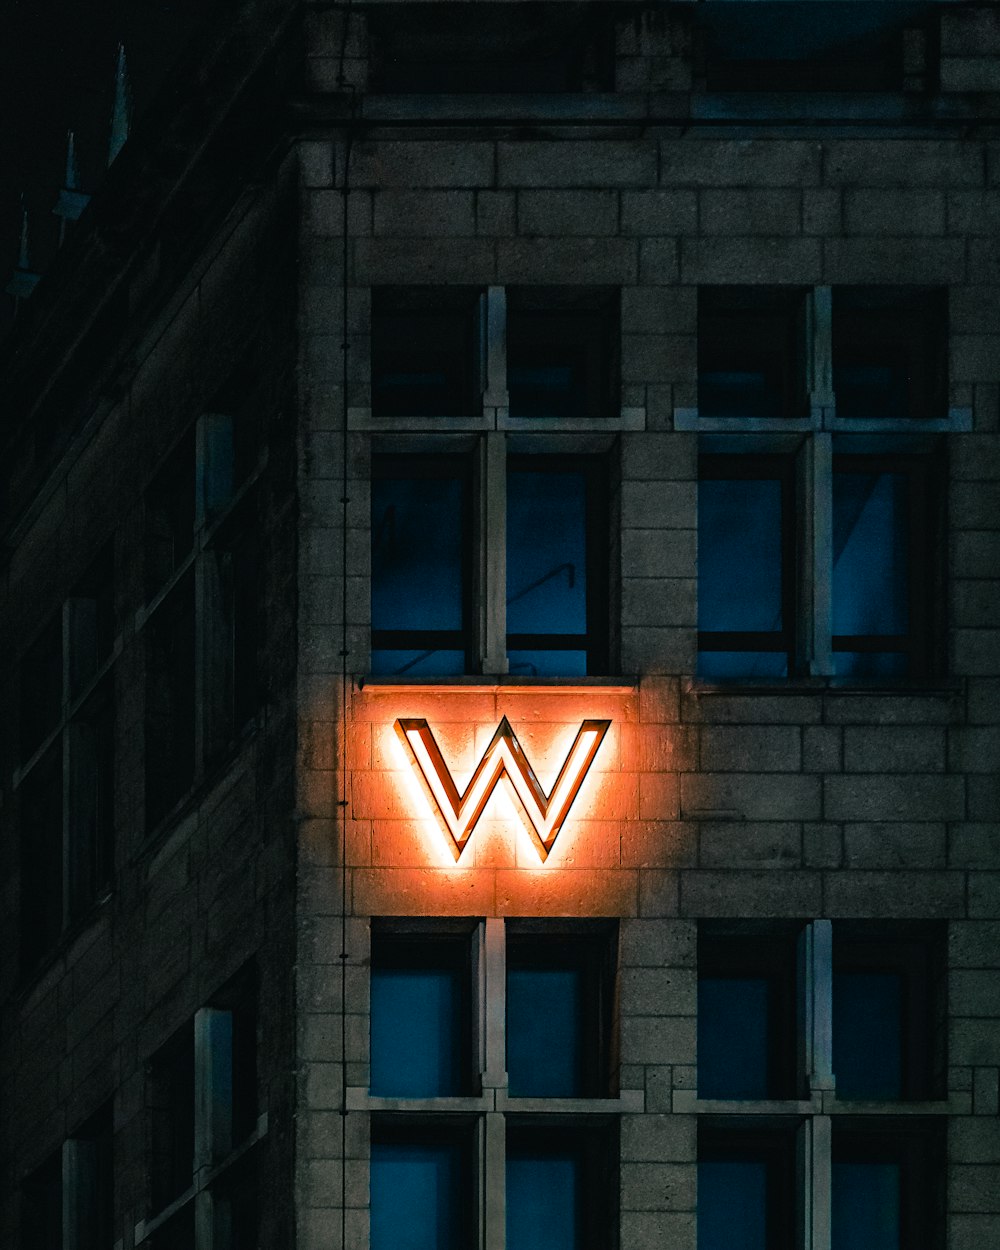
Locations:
{"points": [[171, 1105], [170, 701], [91, 812], [751, 352], [41, 1207], [450, 50], [890, 352], [732, 1205], [547, 663], [730, 664], [546, 553], [865, 1206], [870, 554], [420, 1025], [177, 1233], [417, 553], [41, 903], [559, 991], [740, 576], [867, 1034], [170, 515], [414, 663], [747, 1008], [545, 1031], [733, 1015], [804, 47], [91, 622], [419, 1194], [544, 1199], [41, 688], [425, 352], [562, 352]]}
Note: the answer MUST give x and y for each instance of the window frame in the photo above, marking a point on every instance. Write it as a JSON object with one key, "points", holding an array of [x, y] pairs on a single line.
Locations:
{"points": [[772, 1142]]}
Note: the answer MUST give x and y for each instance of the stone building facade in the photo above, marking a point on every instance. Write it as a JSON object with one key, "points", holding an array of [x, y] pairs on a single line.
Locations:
{"points": [[574, 364]]}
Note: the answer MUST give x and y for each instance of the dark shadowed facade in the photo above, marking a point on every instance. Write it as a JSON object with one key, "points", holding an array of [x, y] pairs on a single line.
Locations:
{"points": [[502, 666]]}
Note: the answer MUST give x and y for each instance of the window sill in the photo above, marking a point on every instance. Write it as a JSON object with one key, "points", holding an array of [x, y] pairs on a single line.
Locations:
{"points": [[933, 688], [629, 1100], [822, 1102], [494, 684]]}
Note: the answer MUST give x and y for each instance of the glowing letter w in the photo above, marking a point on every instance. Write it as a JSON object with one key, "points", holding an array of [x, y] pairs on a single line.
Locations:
{"points": [[544, 813]]}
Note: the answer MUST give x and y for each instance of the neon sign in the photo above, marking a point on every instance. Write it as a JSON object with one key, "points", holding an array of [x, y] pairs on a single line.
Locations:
{"points": [[543, 814]]}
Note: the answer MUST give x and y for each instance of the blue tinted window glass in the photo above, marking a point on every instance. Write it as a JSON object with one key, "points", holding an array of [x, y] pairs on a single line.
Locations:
{"points": [[865, 1214], [543, 1200], [416, 1198], [732, 1037], [413, 663], [739, 555], [545, 1027], [727, 664], [867, 1034], [870, 663], [732, 1205], [543, 390], [417, 553], [546, 553], [547, 663], [416, 1031], [870, 553]]}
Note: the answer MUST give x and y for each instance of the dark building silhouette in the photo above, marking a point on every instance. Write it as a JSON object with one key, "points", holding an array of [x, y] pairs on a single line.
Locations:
{"points": [[501, 655]]}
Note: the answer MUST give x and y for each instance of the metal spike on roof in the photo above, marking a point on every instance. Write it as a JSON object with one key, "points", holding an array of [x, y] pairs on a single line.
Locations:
{"points": [[72, 201], [24, 279], [121, 115]]}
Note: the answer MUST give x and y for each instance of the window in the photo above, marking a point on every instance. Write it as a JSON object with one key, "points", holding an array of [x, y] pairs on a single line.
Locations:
{"points": [[550, 549], [820, 527], [203, 1123], [846, 1019], [887, 1010], [480, 1032], [68, 1203], [746, 566], [751, 352], [746, 1186], [747, 1012], [425, 980], [553, 48], [890, 352], [805, 47], [202, 603], [421, 556], [422, 1185], [558, 1195], [887, 1184], [65, 785], [426, 348], [559, 1012], [562, 351]]}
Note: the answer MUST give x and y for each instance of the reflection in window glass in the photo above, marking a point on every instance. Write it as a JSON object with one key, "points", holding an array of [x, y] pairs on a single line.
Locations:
{"points": [[733, 1037], [870, 553], [865, 1206], [546, 553], [417, 1195], [545, 1031], [417, 562], [732, 1204], [419, 1031], [544, 1198], [867, 1034]]}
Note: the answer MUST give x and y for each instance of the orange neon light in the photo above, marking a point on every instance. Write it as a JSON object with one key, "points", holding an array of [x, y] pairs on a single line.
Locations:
{"points": [[544, 813]]}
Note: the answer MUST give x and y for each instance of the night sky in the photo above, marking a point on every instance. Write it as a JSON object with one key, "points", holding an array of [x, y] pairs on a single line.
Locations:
{"points": [[57, 66]]}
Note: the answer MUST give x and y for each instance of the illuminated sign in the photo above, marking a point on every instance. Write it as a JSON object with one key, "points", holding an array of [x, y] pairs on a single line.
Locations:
{"points": [[543, 813]]}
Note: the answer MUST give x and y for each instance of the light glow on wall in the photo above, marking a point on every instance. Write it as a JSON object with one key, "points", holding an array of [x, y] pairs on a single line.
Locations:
{"points": [[543, 814]]}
